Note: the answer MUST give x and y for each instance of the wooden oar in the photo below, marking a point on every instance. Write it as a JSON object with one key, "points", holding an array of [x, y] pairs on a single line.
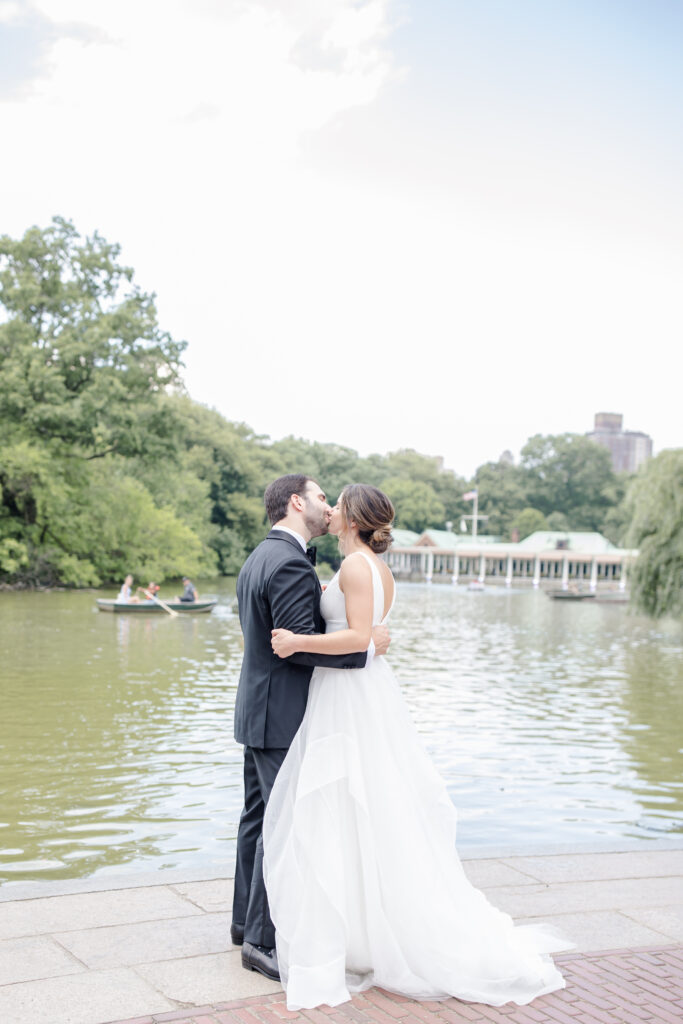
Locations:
{"points": [[162, 603]]}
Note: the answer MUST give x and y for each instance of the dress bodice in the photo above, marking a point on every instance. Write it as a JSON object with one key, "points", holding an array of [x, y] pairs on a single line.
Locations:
{"points": [[333, 604]]}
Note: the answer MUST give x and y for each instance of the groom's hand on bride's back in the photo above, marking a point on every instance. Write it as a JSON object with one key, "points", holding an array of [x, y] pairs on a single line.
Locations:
{"points": [[381, 638]]}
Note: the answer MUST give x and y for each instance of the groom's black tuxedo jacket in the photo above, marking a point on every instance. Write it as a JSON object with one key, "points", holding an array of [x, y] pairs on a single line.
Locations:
{"points": [[278, 588]]}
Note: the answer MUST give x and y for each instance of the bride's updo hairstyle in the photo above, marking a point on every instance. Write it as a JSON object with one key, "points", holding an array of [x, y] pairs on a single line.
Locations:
{"points": [[372, 512]]}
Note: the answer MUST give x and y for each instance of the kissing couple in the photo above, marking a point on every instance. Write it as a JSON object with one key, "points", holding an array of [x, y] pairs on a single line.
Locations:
{"points": [[347, 872]]}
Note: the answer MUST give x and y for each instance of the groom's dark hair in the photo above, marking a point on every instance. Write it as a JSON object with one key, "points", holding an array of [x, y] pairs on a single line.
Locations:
{"points": [[280, 491]]}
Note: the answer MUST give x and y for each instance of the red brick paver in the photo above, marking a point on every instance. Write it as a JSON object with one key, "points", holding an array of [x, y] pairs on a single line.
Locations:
{"points": [[619, 986]]}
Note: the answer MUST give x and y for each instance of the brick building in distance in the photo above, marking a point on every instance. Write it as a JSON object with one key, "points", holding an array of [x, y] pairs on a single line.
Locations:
{"points": [[629, 448]]}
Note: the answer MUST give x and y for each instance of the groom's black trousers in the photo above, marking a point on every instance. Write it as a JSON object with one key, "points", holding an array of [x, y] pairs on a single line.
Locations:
{"points": [[250, 904]]}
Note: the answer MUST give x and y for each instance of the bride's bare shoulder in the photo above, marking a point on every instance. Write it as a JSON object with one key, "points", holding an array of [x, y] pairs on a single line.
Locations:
{"points": [[355, 569]]}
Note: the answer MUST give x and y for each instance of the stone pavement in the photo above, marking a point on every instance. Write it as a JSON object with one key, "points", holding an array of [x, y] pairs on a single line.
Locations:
{"points": [[156, 948]]}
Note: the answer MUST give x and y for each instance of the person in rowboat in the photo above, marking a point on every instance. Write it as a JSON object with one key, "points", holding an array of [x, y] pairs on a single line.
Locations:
{"points": [[190, 593], [126, 595]]}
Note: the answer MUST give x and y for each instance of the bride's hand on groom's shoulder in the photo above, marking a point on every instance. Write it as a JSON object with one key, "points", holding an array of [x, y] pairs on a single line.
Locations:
{"points": [[283, 642]]}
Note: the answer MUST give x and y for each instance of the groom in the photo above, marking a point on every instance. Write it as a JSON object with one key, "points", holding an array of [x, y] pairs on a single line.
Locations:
{"points": [[276, 588]]}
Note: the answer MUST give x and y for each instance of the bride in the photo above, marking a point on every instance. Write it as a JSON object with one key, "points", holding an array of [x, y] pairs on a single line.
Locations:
{"points": [[364, 882]]}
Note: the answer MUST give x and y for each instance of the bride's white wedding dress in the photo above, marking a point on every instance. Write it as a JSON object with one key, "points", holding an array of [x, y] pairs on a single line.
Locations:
{"points": [[364, 882]]}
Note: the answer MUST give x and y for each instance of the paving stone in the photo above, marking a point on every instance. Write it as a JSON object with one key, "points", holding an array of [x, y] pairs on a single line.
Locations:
{"points": [[486, 874], [33, 958], [600, 930], [175, 1015], [88, 998], [599, 866], [129, 944], [667, 920], [214, 978], [570, 897], [67, 913], [108, 882], [213, 896]]}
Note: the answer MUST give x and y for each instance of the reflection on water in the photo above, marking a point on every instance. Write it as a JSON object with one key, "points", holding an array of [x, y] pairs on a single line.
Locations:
{"points": [[551, 721]]}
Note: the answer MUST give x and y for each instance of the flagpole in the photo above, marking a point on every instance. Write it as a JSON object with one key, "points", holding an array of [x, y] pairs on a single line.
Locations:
{"points": [[475, 517]]}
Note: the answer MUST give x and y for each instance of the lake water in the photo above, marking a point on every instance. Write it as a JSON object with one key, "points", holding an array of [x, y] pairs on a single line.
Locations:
{"points": [[552, 722]]}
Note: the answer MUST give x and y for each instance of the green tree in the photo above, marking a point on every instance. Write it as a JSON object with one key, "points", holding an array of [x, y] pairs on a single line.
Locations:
{"points": [[37, 495], [655, 506], [616, 522], [84, 364], [372, 470], [85, 374], [449, 488], [83, 523], [528, 521], [120, 529], [331, 465], [227, 468], [502, 496], [417, 505], [571, 474], [558, 522]]}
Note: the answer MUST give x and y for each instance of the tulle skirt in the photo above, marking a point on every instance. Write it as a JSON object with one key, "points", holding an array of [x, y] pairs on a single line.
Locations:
{"points": [[364, 882]]}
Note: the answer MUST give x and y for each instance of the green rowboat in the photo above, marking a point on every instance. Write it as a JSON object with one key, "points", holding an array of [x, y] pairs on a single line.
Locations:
{"points": [[151, 608]]}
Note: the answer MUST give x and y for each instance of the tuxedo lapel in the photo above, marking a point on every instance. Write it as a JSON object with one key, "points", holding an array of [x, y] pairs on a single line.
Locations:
{"points": [[278, 535]]}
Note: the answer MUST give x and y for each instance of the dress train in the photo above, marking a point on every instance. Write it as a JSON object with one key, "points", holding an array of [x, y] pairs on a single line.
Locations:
{"points": [[364, 882]]}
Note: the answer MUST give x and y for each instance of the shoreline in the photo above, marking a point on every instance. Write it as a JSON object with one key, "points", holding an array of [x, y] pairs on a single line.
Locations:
{"points": [[22, 889]]}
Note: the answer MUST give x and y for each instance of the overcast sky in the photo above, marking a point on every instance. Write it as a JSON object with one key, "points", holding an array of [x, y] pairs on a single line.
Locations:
{"points": [[438, 224]]}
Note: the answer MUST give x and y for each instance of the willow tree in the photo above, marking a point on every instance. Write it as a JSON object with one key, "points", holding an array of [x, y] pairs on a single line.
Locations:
{"points": [[655, 506]]}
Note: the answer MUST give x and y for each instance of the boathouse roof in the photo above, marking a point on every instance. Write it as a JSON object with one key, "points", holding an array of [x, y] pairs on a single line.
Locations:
{"points": [[404, 538], [553, 540], [447, 540], [541, 543]]}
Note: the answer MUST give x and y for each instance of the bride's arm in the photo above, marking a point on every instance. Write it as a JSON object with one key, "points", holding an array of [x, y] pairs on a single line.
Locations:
{"points": [[355, 581]]}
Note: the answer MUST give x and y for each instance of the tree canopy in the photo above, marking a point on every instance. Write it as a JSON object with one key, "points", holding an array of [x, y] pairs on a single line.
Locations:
{"points": [[571, 474], [107, 466], [502, 496], [416, 503], [84, 364], [528, 521], [86, 374]]}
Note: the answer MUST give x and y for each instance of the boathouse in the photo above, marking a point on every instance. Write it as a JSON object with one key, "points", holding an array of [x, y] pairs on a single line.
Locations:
{"points": [[546, 555]]}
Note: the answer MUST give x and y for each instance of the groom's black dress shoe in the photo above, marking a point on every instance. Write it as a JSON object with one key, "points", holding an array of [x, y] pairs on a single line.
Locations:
{"points": [[237, 934], [261, 959]]}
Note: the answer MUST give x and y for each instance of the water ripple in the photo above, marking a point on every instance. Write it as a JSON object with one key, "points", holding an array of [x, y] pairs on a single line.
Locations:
{"points": [[550, 722]]}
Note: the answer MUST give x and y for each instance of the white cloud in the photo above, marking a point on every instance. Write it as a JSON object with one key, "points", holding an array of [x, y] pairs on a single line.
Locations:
{"points": [[9, 11], [374, 310], [181, 103]]}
